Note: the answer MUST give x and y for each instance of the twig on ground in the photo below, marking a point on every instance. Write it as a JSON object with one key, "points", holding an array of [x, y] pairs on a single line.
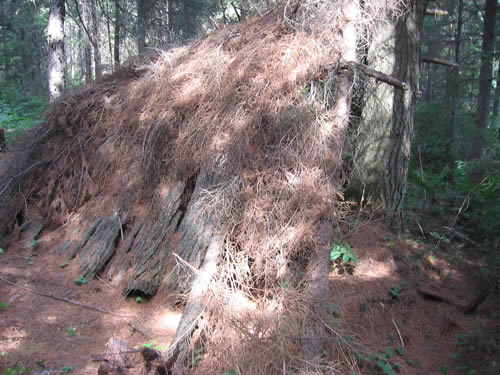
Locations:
{"points": [[134, 328], [49, 295], [399, 333]]}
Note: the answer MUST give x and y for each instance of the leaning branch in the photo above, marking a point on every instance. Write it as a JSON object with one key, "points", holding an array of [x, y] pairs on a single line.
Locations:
{"points": [[390, 80], [438, 61], [436, 12]]}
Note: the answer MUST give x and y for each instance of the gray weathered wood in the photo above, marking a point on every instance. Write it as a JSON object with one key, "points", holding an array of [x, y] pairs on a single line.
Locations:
{"points": [[152, 244]]}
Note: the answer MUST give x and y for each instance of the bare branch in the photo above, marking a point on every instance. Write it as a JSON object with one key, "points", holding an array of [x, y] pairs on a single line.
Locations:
{"points": [[390, 80], [438, 61], [436, 12]]}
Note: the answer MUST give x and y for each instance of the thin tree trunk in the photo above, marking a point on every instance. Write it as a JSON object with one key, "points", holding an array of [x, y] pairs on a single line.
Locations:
{"points": [[485, 77], [87, 44], [55, 39], [3, 15], [497, 92], [95, 40], [454, 89], [141, 25], [117, 32]]}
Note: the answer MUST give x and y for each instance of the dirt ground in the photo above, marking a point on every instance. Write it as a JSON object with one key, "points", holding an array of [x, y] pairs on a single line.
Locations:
{"points": [[420, 333]]}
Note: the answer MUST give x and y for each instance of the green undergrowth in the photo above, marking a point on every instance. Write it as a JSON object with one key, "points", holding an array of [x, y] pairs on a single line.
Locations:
{"points": [[19, 113]]}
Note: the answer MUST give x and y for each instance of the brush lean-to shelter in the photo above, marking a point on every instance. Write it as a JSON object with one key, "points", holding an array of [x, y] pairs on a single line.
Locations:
{"points": [[216, 168]]}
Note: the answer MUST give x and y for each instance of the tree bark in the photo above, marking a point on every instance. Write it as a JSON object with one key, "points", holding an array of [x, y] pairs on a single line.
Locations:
{"points": [[382, 148], [95, 40], [142, 15], [55, 39], [118, 22], [485, 77], [497, 92]]}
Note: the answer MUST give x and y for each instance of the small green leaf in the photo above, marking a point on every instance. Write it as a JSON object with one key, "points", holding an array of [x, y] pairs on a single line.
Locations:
{"points": [[389, 353], [400, 351], [71, 331], [3, 305], [81, 281], [41, 363], [443, 370], [62, 265], [34, 243], [138, 299], [2, 250], [66, 369]]}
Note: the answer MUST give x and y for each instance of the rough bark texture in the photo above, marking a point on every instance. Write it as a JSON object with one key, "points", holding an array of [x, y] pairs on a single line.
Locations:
{"points": [[384, 131], [55, 39], [142, 14], [118, 22], [152, 244], [485, 77]]}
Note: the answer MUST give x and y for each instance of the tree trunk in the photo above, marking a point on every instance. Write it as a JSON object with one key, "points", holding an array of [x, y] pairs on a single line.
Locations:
{"points": [[485, 77], [497, 92], [142, 14], [118, 23], [95, 40], [55, 39], [3, 20], [87, 44], [383, 139]]}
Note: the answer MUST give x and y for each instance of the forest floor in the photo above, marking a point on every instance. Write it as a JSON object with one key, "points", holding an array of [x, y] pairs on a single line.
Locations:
{"points": [[402, 302]]}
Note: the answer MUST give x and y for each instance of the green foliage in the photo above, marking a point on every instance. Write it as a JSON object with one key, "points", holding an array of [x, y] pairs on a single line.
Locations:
{"points": [[3, 305], [80, 281], [71, 331], [41, 363], [151, 344], [138, 299], [2, 251], [66, 369], [29, 261], [395, 291], [17, 369], [231, 372], [343, 258], [34, 243]]}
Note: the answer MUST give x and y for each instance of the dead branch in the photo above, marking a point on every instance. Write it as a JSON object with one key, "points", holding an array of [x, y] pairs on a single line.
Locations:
{"points": [[390, 80], [438, 61], [461, 235], [49, 295], [436, 12]]}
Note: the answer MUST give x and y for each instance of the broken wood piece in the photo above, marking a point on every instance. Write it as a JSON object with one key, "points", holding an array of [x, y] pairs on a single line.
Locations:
{"points": [[436, 12], [390, 80], [438, 61], [461, 235]]}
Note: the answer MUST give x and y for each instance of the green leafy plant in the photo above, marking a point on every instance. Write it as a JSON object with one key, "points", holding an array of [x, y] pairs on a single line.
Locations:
{"points": [[71, 331], [80, 281], [3, 305], [391, 244], [2, 251], [17, 369], [395, 291], [343, 258], [66, 369], [41, 363], [232, 372], [34, 243], [197, 357], [29, 261], [138, 299], [151, 344]]}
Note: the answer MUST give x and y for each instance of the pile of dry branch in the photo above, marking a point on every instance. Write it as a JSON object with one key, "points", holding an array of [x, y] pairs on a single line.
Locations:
{"points": [[213, 170]]}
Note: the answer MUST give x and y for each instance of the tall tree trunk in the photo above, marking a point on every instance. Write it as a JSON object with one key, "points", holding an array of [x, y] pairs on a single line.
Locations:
{"points": [[497, 92], [454, 87], [384, 131], [95, 40], [3, 20], [118, 23], [485, 77], [87, 43], [142, 14], [55, 39]]}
